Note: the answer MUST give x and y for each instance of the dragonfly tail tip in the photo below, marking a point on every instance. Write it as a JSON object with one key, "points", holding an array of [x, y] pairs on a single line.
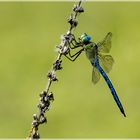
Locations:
{"points": [[124, 114]]}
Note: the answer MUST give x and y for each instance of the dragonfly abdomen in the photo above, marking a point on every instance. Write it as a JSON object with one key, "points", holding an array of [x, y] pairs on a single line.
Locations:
{"points": [[116, 98]]}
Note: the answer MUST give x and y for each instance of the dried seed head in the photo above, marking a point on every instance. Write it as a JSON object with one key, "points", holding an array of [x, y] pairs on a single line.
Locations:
{"points": [[78, 8], [49, 75], [57, 65], [43, 119], [73, 22], [36, 136], [35, 123], [51, 97], [52, 76], [43, 94], [35, 117]]}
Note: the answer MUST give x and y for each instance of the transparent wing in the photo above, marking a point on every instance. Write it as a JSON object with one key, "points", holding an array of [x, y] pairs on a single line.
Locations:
{"points": [[106, 62], [95, 75], [105, 45]]}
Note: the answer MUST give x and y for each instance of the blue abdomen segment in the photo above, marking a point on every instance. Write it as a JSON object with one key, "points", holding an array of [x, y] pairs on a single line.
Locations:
{"points": [[116, 98]]}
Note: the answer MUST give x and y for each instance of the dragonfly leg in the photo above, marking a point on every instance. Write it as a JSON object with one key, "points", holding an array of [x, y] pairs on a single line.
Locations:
{"points": [[68, 58], [75, 55], [74, 45]]}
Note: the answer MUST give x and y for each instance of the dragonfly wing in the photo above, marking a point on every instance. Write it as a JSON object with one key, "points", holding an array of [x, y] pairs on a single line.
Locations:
{"points": [[105, 45], [106, 62], [95, 75]]}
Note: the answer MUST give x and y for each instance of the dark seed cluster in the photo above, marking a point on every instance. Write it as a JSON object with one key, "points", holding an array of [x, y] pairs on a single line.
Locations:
{"points": [[44, 104], [57, 65], [52, 76], [78, 8], [72, 21], [45, 101]]}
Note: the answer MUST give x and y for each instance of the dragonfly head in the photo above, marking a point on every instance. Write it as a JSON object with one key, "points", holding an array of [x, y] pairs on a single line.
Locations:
{"points": [[85, 39]]}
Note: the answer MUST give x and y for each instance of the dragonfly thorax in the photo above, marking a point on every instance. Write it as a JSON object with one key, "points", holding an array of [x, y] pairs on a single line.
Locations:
{"points": [[90, 45]]}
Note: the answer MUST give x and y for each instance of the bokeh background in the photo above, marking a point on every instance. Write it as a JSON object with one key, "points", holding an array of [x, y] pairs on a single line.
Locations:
{"points": [[29, 32]]}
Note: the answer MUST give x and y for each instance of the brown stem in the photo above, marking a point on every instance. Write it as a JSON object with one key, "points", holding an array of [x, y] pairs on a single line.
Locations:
{"points": [[46, 97]]}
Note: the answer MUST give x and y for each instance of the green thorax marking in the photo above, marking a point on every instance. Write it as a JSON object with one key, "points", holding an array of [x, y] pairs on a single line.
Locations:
{"points": [[89, 46]]}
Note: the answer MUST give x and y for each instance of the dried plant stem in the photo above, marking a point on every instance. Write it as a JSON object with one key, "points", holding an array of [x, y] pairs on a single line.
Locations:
{"points": [[46, 97]]}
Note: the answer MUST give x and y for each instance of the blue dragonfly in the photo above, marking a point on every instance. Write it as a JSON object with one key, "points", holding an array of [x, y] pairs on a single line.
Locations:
{"points": [[101, 62]]}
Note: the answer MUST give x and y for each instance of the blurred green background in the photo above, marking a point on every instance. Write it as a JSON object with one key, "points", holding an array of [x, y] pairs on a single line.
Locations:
{"points": [[29, 32]]}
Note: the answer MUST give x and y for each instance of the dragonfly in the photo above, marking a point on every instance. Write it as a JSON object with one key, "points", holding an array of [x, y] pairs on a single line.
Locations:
{"points": [[101, 61]]}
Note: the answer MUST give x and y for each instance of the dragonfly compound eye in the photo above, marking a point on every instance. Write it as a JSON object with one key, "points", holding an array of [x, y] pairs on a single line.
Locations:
{"points": [[85, 38]]}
